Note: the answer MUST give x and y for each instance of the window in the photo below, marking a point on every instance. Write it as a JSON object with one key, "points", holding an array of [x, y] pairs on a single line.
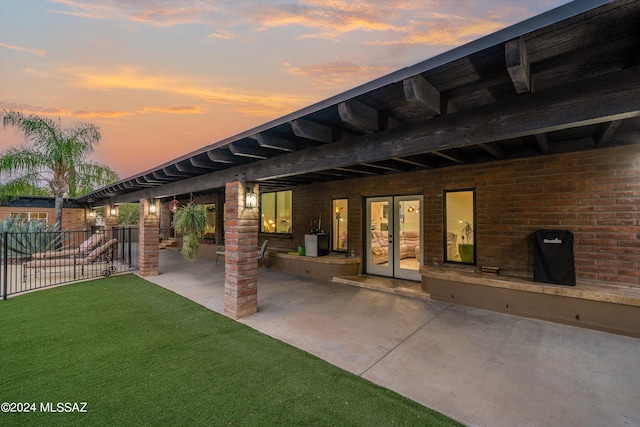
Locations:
{"points": [[340, 216], [27, 216], [212, 212], [459, 232], [275, 212]]}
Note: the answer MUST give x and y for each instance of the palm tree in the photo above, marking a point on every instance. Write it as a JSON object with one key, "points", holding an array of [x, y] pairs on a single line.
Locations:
{"points": [[52, 156]]}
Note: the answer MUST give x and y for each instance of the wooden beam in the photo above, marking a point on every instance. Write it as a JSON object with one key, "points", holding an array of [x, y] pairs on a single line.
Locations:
{"points": [[186, 167], [602, 99], [543, 142], [598, 100], [355, 169], [493, 149], [311, 130], [161, 176], [359, 115], [223, 155], [515, 54], [276, 143], [244, 150], [173, 171], [605, 133], [418, 91], [415, 162], [383, 167], [203, 163], [450, 157]]}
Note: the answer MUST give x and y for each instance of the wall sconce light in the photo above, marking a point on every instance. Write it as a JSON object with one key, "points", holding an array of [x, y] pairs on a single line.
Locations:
{"points": [[113, 211], [92, 213], [152, 207], [251, 199]]}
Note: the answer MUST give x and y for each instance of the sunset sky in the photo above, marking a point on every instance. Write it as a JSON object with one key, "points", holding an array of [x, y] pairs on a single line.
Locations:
{"points": [[162, 78]]}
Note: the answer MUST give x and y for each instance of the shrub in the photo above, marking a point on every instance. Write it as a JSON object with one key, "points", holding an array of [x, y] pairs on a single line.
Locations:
{"points": [[28, 237], [190, 221]]}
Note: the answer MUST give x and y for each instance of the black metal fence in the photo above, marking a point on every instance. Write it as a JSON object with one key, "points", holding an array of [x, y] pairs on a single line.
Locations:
{"points": [[36, 260]]}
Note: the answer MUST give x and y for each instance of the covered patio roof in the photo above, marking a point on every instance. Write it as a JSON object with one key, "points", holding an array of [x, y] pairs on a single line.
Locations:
{"points": [[566, 80]]}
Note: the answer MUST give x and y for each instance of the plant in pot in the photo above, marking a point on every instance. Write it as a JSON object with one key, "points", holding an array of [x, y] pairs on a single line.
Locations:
{"points": [[190, 221], [465, 249]]}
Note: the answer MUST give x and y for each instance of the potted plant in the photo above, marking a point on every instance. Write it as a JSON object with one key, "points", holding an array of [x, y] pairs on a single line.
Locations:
{"points": [[190, 221], [465, 249]]}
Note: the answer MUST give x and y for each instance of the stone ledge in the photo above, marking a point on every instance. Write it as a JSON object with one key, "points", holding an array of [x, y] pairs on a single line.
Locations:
{"points": [[327, 259], [594, 291]]}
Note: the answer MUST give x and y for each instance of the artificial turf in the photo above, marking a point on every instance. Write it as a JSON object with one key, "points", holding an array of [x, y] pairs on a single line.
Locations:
{"points": [[138, 354]]}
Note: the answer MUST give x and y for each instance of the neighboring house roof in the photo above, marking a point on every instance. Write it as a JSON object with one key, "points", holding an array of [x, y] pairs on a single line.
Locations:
{"points": [[565, 80], [27, 202]]}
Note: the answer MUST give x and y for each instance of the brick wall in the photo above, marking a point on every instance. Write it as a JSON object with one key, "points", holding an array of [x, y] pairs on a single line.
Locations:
{"points": [[595, 194], [73, 219]]}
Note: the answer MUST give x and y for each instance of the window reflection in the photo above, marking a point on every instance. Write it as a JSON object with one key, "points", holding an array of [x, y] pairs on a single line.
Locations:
{"points": [[460, 226], [275, 212], [340, 232]]}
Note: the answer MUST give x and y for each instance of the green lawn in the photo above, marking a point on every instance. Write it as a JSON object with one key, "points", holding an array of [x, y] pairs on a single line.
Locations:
{"points": [[138, 354]]}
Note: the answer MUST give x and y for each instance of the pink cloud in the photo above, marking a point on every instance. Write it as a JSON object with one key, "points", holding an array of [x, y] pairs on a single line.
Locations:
{"points": [[31, 50]]}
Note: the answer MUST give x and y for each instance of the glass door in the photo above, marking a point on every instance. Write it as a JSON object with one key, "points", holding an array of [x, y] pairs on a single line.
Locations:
{"points": [[408, 240], [394, 244], [379, 244]]}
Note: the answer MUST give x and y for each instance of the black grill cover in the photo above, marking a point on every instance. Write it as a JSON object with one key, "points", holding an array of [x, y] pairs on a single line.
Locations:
{"points": [[553, 257]]}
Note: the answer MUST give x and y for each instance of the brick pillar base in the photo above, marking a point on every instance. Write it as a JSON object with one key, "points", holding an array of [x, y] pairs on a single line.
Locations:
{"points": [[149, 240], [241, 256]]}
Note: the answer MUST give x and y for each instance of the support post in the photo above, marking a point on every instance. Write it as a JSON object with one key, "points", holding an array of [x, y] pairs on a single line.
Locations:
{"points": [[241, 256], [149, 249]]}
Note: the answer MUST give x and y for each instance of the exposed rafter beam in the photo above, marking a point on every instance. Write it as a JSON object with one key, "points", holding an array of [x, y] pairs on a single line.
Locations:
{"points": [[449, 156], [186, 167], [493, 149], [243, 150], [415, 162], [354, 169], [543, 142], [359, 115], [161, 176], [605, 133], [169, 171], [418, 91], [224, 156], [311, 130], [143, 183], [605, 98], [202, 164], [382, 167], [515, 54], [276, 143]]}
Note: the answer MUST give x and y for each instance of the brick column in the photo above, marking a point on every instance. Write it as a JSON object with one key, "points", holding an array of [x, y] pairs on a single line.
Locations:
{"points": [[241, 256], [149, 239]]}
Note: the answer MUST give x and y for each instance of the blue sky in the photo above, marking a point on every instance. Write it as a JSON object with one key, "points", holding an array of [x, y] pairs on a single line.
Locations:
{"points": [[165, 77]]}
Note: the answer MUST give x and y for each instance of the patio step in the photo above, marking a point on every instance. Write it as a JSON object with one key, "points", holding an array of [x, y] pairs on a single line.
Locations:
{"points": [[405, 288], [168, 243]]}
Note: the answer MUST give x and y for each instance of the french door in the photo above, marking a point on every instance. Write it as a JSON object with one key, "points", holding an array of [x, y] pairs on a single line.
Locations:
{"points": [[393, 245]]}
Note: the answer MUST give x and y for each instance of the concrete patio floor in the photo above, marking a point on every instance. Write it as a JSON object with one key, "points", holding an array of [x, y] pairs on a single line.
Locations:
{"points": [[478, 367]]}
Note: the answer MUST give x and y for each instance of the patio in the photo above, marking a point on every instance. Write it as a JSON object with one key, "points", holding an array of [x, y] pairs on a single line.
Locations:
{"points": [[479, 367]]}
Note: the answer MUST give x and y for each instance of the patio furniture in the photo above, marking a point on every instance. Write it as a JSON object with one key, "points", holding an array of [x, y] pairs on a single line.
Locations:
{"points": [[87, 246], [261, 255], [219, 251], [103, 253]]}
